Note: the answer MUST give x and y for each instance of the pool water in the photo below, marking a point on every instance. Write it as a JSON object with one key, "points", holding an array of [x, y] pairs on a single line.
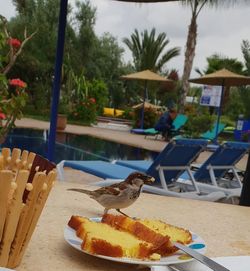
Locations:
{"points": [[74, 147]]}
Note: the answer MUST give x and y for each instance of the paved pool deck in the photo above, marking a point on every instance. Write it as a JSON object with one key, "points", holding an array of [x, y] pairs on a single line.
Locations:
{"points": [[118, 135]]}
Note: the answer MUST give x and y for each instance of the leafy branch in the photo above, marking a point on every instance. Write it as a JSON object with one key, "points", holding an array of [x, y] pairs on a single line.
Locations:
{"points": [[13, 53]]}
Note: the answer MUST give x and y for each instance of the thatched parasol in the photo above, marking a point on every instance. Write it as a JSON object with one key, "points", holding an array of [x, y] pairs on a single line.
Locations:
{"points": [[147, 105], [145, 76], [223, 78]]}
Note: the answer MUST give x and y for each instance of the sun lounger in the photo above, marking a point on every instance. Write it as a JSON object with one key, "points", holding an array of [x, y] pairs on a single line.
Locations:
{"points": [[146, 132], [166, 168], [210, 176], [138, 131], [178, 123], [211, 134]]}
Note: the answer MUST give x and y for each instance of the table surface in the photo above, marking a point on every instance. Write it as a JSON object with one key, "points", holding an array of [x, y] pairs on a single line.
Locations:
{"points": [[225, 228]]}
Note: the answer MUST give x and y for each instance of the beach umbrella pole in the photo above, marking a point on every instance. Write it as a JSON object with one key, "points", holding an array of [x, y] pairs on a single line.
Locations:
{"points": [[143, 105], [219, 115], [57, 78]]}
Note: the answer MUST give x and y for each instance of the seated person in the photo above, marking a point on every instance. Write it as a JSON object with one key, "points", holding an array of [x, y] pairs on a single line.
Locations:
{"points": [[165, 123]]}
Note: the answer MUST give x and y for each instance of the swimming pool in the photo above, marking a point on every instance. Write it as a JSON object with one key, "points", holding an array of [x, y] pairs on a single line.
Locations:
{"points": [[74, 147]]}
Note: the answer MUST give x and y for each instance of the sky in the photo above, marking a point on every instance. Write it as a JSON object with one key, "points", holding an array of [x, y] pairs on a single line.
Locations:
{"points": [[220, 30]]}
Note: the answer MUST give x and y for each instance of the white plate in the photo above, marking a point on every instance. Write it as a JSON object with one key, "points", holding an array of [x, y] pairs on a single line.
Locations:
{"points": [[5, 269], [233, 263], [179, 257]]}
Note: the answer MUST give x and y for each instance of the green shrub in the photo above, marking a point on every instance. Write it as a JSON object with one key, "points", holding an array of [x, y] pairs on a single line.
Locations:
{"points": [[99, 91], [85, 111], [198, 124]]}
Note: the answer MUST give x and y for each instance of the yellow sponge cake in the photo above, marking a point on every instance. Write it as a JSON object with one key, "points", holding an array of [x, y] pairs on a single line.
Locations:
{"points": [[121, 236], [176, 234], [127, 224], [102, 239]]}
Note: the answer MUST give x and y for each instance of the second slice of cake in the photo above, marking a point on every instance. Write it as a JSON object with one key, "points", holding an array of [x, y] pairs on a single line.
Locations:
{"points": [[153, 231]]}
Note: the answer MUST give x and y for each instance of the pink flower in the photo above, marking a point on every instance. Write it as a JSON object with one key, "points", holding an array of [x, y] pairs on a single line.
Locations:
{"points": [[17, 83], [92, 100], [15, 43]]}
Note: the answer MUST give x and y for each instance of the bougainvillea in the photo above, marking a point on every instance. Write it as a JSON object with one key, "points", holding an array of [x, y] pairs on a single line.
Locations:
{"points": [[13, 94], [14, 43], [17, 83], [85, 111]]}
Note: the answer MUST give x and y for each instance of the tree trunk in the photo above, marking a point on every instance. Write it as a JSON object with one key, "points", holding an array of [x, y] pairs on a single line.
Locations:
{"points": [[189, 58]]}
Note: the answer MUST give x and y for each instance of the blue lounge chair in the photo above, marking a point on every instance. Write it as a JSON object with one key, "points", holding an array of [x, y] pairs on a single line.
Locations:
{"points": [[177, 154], [166, 168], [138, 131], [210, 175], [178, 123], [211, 134], [146, 132]]}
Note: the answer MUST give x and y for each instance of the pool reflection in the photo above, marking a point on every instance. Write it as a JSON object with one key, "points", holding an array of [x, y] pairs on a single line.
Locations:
{"points": [[74, 147]]}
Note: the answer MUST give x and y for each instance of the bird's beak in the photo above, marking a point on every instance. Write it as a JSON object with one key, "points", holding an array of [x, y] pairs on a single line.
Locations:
{"points": [[149, 180]]}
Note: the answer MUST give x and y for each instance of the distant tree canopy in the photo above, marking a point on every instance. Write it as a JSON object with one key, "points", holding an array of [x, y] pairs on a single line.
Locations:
{"points": [[85, 53], [99, 58], [217, 62]]}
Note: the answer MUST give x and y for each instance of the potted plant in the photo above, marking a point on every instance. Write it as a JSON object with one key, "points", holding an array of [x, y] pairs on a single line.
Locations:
{"points": [[62, 115]]}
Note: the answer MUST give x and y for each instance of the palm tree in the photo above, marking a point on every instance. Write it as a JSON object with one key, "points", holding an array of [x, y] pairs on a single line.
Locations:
{"points": [[148, 50], [217, 62], [196, 7]]}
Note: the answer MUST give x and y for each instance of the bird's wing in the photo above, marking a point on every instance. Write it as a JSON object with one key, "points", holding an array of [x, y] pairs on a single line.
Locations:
{"points": [[108, 190], [119, 186]]}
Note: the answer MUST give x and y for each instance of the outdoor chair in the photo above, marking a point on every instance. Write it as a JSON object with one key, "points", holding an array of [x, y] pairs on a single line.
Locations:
{"points": [[211, 134], [166, 168], [178, 123], [149, 131], [210, 176]]}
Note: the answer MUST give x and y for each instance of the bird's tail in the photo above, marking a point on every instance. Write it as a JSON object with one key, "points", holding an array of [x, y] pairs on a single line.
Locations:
{"points": [[80, 190]]}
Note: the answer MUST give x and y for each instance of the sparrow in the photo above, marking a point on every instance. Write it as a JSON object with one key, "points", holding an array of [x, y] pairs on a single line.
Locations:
{"points": [[120, 195]]}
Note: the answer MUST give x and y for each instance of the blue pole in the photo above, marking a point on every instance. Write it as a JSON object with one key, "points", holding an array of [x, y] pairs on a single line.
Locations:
{"points": [[219, 115], [57, 78]]}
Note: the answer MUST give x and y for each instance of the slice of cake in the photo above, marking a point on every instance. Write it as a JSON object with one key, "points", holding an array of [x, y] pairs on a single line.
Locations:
{"points": [[102, 239], [146, 233], [176, 234], [75, 222]]}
